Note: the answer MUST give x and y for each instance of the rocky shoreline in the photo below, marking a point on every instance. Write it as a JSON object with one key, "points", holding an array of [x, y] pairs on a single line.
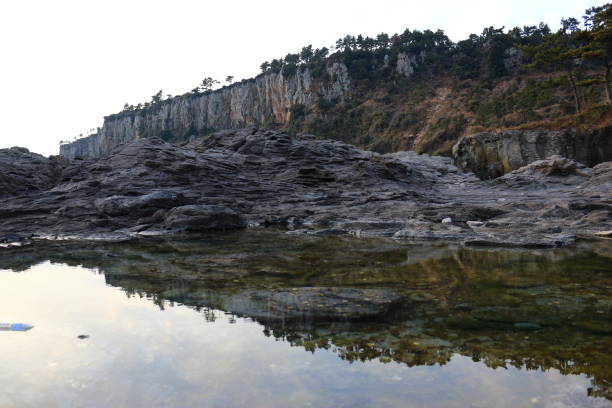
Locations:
{"points": [[252, 178]]}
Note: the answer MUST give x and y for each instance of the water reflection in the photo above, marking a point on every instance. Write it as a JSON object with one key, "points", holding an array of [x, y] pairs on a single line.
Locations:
{"points": [[470, 328]]}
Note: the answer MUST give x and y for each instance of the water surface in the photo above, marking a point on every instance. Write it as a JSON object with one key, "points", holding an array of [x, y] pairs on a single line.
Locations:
{"points": [[478, 328]]}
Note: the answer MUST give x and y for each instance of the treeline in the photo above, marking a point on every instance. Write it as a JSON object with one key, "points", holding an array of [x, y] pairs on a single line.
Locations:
{"points": [[574, 49], [468, 58]]}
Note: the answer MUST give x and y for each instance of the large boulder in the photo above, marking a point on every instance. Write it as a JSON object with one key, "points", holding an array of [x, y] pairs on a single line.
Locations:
{"points": [[547, 173]]}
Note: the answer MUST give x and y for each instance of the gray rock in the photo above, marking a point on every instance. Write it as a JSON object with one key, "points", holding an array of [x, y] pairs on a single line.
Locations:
{"points": [[149, 203], [22, 171], [203, 217], [264, 99], [250, 177], [492, 154]]}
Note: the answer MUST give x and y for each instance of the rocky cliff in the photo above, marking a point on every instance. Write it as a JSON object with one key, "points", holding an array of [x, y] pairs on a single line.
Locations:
{"points": [[266, 99], [492, 154]]}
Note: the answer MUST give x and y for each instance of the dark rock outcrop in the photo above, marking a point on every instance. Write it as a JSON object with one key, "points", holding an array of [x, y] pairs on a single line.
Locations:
{"points": [[252, 177], [203, 217], [492, 154], [22, 171]]}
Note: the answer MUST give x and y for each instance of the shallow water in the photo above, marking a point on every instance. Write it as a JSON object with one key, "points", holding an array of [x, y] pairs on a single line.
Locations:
{"points": [[478, 328]]}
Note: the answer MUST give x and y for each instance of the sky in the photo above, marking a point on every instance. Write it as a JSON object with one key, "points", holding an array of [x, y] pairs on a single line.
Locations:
{"points": [[66, 64]]}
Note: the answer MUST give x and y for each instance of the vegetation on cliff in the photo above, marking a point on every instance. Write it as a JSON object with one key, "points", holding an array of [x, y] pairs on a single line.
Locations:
{"points": [[419, 90], [523, 77]]}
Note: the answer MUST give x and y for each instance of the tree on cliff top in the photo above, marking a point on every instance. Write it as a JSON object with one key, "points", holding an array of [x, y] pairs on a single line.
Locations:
{"points": [[157, 97], [557, 52], [597, 48], [207, 84]]}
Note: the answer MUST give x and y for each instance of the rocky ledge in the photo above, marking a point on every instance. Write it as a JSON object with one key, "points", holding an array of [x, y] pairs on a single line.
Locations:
{"points": [[492, 154], [256, 178]]}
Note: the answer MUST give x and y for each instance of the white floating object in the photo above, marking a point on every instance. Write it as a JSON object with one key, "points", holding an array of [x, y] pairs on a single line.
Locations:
{"points": [[15, 327], [447, 220]]}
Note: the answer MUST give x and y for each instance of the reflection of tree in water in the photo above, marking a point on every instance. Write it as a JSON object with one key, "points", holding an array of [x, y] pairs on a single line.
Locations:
{"points": [[460, 301], [567, 350]]}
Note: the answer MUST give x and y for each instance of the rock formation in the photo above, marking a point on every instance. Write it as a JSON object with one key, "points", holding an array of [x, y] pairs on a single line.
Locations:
{"points": [[492, 154], [266, 99], [257, 178]]}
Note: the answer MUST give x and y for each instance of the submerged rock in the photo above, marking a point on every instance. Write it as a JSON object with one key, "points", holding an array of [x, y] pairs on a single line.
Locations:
{"points": [[203, 217], [305, 303]]}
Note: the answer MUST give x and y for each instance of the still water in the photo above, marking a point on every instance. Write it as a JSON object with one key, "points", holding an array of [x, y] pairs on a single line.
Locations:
{"points": [[476, 329]]}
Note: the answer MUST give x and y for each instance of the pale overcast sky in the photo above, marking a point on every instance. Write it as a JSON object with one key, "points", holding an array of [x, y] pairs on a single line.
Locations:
{"points": [[65, 64]]}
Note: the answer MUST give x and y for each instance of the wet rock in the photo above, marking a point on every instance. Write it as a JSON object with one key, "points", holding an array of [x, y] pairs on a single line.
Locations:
{"points": [[203, 217], [525, 241], [527, 326], [13, 237], [594, 326], [313, 303]]}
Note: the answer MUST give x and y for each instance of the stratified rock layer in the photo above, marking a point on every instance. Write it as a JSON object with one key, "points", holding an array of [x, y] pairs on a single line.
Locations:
{"points": [[256, 178], [492, 154]]}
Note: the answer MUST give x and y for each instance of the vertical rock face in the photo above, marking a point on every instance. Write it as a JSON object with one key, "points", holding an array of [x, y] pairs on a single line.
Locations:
{"points": [[406, 64], [492, 154], [266, 99]]}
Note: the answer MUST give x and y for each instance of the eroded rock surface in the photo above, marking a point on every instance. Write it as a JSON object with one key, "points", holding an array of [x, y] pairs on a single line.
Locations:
{"points": [[22, 171], [492, 154], [251, 177]]}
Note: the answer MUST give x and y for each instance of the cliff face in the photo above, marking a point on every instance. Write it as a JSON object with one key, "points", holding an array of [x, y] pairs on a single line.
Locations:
{"points": [[266, 99], [388, 103], [492, 154]]}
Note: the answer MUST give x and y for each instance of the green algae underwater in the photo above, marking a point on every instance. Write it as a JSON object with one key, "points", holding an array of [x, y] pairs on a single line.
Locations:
{"points": [[178, 322]]}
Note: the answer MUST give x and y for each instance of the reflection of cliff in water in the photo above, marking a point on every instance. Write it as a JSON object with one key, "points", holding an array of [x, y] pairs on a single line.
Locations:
{"points": [[377, 299]]}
